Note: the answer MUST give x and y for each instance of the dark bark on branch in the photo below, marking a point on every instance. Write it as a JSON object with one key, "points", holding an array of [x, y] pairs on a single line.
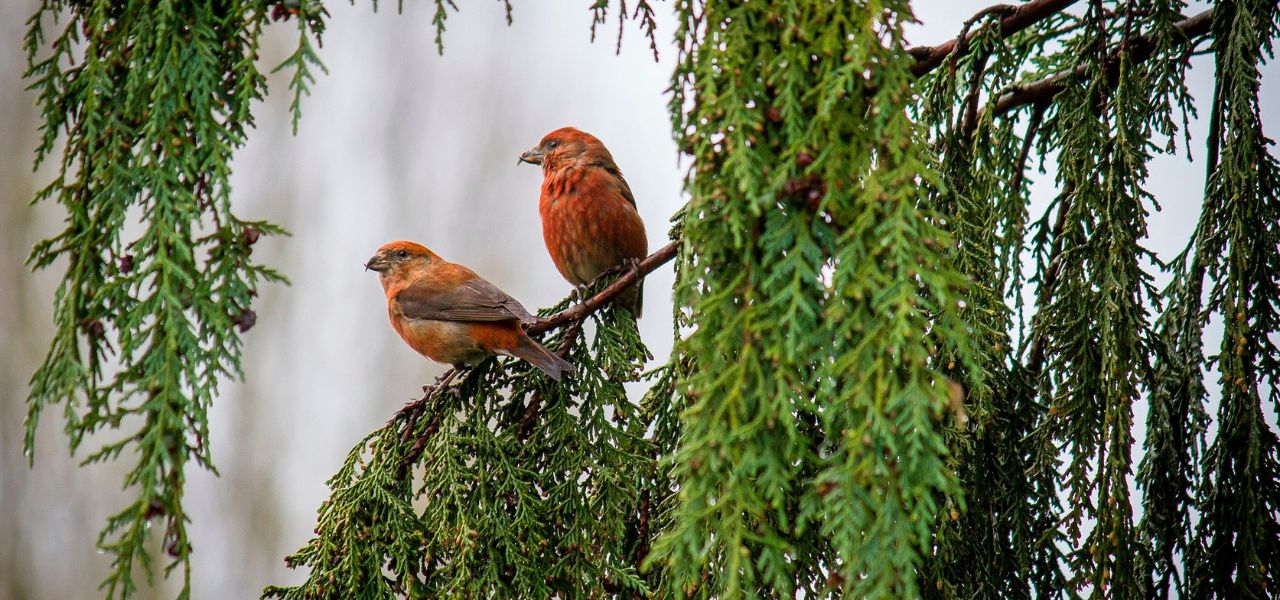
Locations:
{"points": [[1019, 18], [1033, 128], [578, 312], [411, 412]]}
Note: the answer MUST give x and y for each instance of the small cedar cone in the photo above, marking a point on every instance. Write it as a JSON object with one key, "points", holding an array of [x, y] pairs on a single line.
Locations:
{"points": [[250, 235], [95, 328], [825, 488], [154, 509], [245, 320], [174, 547], [804, 159], [807, 191]]}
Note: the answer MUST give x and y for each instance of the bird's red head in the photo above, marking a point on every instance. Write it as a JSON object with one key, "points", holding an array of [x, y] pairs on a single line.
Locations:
{"points": [[396, 259], [567, 147]]}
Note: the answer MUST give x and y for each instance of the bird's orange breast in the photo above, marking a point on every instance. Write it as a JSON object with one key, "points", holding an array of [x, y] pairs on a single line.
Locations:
{"points": [[587, 224], [456, 342]]}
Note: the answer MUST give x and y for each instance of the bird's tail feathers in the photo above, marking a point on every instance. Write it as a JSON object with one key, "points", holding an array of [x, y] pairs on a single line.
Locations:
{"points": [[551, 364]]}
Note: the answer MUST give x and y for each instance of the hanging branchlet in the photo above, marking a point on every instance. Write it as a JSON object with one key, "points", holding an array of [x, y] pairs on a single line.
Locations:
{"points": [[1176, 423], [310, 16], [642, 15], [1098, 363], [806, 261], [144, 104], [1003, 520], [1238, 247], [1136, 63]]}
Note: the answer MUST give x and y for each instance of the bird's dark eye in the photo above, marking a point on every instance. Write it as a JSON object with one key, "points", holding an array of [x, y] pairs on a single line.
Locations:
{"points": [[553, 143], [403, 254]]}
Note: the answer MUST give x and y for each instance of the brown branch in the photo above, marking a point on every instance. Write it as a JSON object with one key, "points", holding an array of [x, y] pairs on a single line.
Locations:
{"points": [[1033, 128], [1045, 89], [530, 417], [969, 123], [411, 412], [1018, 18], [580, 311], [642, 531], [1035, 356]]}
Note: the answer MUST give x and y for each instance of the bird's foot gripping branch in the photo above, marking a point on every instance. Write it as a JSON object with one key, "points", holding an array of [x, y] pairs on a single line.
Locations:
{"points": [[498, 469]]}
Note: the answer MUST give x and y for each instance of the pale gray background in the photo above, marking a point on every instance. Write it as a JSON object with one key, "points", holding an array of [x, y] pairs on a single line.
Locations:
{"points": [[395, 142]]}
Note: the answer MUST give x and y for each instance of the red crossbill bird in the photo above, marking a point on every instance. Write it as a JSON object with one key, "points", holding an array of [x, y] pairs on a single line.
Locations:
{"points": [[449, 314], [589, 217]]}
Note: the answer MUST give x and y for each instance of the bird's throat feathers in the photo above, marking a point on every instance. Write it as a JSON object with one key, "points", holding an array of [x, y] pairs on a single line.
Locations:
{"points": [[561, 183]]}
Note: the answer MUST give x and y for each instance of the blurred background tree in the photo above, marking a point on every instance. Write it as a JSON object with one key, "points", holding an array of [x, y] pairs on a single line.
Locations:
{"points": [[895, 371]]}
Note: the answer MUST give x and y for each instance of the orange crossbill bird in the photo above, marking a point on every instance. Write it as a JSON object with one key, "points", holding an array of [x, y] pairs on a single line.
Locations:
{"points": [[589, 217], [451, 315]]}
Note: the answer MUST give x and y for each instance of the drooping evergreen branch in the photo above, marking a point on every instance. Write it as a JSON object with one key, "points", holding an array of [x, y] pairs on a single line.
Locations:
{"points": [[799, 161], [1098, 363], [1138, 49], [1039, 94], [1003, 518], [1169, 470], [144, 104], [1237, 543], [976, 166]]}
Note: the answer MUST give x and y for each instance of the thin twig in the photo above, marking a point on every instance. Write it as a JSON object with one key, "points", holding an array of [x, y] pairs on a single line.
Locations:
{"points": [[1035, 356], [969, 122], [530, 416], [1045, 89], [642, 531], [1033, 128], [580, 311], [412, 411]]}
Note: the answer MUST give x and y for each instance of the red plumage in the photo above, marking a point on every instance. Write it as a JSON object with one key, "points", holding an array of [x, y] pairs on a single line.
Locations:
{"points": [[449, 314], [589, 218]]}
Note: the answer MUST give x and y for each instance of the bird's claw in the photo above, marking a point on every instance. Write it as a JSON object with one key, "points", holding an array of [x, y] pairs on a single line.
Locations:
{"points": [[627, 265], [532, 321]]}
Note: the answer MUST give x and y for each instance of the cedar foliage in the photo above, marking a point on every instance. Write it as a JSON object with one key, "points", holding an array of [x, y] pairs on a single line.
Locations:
{"points": [[860, 401]]}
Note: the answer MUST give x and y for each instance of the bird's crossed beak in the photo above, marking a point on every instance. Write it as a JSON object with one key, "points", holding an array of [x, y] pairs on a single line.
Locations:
{"points": [[533, 157], [377, 263]]}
